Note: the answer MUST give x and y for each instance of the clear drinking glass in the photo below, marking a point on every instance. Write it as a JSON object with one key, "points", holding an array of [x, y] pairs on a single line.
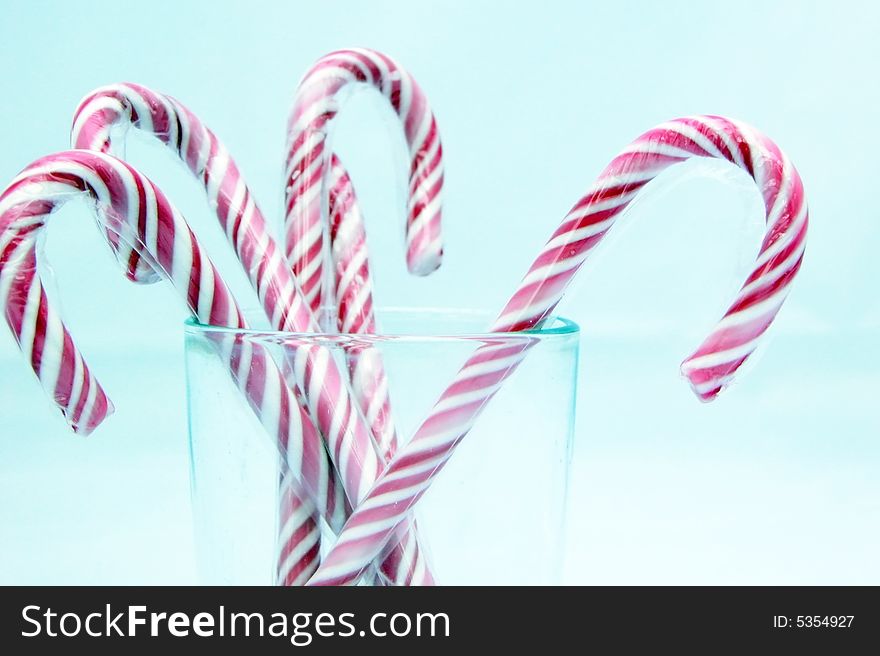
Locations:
{"points": [[494, 515]]}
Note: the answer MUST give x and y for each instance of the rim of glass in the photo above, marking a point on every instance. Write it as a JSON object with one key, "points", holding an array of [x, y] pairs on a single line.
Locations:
{"points": [[554, 327]]}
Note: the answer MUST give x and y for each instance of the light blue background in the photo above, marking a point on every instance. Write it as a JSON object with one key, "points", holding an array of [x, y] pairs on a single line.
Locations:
{"points": [[776, 482]]}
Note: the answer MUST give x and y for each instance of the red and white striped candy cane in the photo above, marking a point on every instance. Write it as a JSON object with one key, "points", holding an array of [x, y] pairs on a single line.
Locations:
{"points": [[315, 106], [709, 369], [355, 313], [132, 208], [311, 169], [209, 161], [307, 164], [323, 388], [95, 122], [311, 117]]}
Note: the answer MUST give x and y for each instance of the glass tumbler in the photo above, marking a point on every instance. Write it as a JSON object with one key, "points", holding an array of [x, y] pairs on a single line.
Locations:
{"points": [[494, 515]]}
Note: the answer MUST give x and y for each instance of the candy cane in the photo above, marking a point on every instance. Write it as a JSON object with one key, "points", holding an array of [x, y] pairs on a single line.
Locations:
{"points": [[310, 120], [314, 108], [354, 304], [709, 369], [124, 105], [137, 212], [323, 388], [312, 114], [210, 162], [355, 315]]}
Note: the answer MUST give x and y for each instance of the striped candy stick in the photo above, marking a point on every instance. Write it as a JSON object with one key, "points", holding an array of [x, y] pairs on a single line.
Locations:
{"points": [[355, 315], [354, 307], [323, 389], [212, 165], [709, 369], [308, 167], [130, 206], [95, 122], [315, 106]]}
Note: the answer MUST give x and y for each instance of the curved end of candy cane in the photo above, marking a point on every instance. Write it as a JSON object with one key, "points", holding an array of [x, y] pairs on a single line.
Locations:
{"points": [[96, 114], [101, 409], [424, 227], [707, 381], [705, 390], [424, 238], [424, 264]]}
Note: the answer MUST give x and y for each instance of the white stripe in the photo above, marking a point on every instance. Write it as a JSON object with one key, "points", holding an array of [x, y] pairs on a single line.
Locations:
{"points": [[302, 511], [769, 305], [271, 407], [176, 116], [234, 207], [464, 398], [204, 151], [355, 307], [328, 79], [423, 129], [427, 215], [284, 296], [420, 569], [323, 491], [406, 92], [89, 405], [535, 308], [29, 320], [602, 205], [783, 195], [689, 132], [375, 407], [53, 347], [313, 236], [93, 107], [641, 147], [777, 272], [351, 271], [711, 360], [78, 378], [294, 437], [130, 222], [185, 136], [56, 192], [554, 268], [10, 272], [383, 83], [310, 197], [357, 531], [629, 177], [711, 384], [216, 173], [309, 114], [781, 244], [492, 366], [142, 107], [579, 234], [727, 138], [295, 159], [407, 552], [426, 465], [182, 262], [299, 551], [426, 159]]}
